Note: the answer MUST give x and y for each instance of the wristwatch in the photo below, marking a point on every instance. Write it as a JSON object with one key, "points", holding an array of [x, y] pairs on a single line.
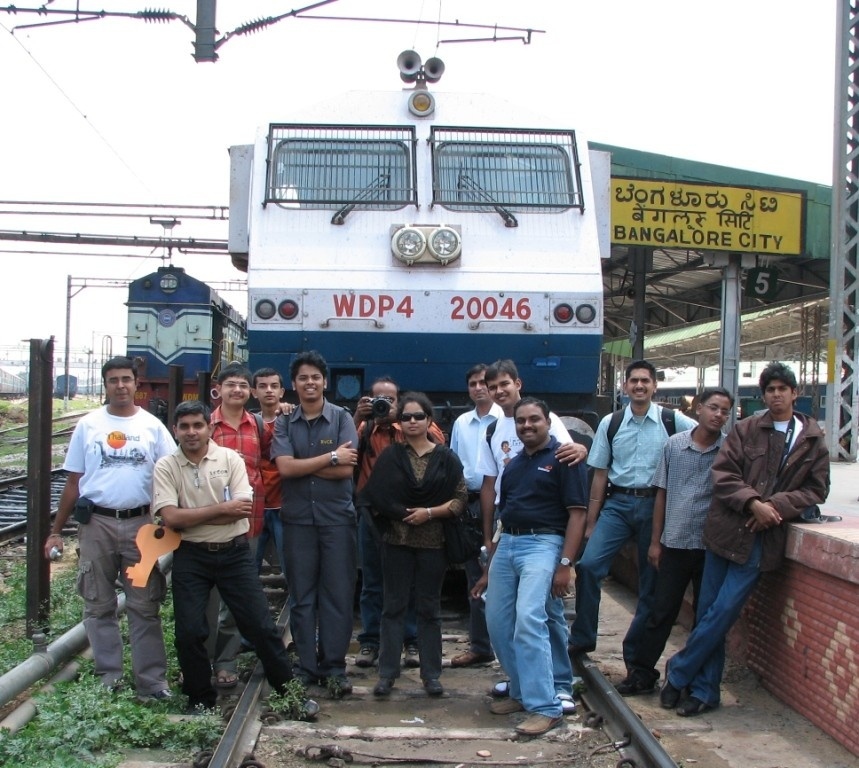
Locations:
{"points": [[334, 459], [565, 561]]}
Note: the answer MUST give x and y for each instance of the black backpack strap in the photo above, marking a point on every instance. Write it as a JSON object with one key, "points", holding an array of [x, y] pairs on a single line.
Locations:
{"points": [[669, 420], [613, 426], [490, 430], [260, 426]]}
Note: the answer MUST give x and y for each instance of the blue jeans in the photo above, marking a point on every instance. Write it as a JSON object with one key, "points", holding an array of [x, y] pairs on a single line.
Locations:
{"points": [[272, 528], [622, 518], [370, 602], [520, 580], [724, 590]]}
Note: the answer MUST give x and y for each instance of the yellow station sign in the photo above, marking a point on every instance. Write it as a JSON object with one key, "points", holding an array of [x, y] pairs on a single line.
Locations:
{"points": [[706, 217]]}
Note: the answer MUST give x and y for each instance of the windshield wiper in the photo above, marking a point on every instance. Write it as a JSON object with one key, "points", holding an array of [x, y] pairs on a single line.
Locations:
{"points": [[370, 192], [466, 184]]}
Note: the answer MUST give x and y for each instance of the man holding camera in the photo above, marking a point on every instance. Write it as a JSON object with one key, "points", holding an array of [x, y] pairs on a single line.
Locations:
{"points": [[375, 420]]}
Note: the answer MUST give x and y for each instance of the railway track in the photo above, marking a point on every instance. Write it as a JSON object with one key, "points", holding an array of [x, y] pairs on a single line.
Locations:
{"points": [[13, 503]]}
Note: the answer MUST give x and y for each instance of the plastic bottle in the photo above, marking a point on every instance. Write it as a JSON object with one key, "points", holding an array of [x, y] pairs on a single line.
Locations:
{"points": [[56, 553]]}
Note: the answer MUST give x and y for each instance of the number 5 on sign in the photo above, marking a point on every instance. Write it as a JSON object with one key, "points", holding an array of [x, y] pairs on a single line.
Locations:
{"points": [[762, 283]]}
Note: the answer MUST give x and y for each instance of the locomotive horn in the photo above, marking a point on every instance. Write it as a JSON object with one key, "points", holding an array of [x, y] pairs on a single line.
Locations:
{"points": [[409, 64], [433, 69]]}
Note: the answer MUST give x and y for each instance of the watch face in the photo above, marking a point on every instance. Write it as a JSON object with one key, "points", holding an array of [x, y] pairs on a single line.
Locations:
{"points": [[566, 561]]}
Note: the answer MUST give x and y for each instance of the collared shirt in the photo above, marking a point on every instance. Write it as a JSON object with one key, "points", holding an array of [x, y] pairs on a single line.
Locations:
{"points": [[313, 500], [380, 437], [537, 490], [636, 447], [684, 472], [246, 442], [181, 483], [468, 432], [271, 479], [505, 444]]}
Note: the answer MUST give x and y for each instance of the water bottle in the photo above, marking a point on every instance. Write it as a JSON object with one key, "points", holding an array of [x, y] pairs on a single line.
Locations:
{"points": [[484, 556], [56, 553]]}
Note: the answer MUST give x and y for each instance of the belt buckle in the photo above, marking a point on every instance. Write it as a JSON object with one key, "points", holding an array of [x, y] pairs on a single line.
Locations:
{"points": [[213, 546], [119, 513]]}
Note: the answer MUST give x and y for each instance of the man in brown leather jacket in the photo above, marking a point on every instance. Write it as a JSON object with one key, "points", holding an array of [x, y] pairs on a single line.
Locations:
{"points": [[771, 467]]}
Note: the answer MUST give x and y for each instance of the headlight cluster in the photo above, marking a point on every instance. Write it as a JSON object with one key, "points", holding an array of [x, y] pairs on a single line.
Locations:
{"points": [[583, 312], [438, 244]]}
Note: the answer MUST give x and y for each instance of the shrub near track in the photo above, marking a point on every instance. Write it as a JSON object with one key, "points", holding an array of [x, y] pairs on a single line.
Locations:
{"points": [[80, 723]]}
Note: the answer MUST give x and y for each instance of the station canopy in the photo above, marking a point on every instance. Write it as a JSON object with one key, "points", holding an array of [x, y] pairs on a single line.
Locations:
{"points": [[683, 285]]}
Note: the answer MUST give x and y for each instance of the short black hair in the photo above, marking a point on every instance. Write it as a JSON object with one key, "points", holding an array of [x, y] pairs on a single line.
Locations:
{"points": [[541, 404], [192, 408], [384, 380], [474, 370], [115, 363], [234, 371], [311, 357], [776, 371], [264, 373], [499, 367], [647, 365], [712, 392]]}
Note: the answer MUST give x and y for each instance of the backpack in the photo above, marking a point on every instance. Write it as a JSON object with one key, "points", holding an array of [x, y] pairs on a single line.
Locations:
{"points": [[666, 415]]}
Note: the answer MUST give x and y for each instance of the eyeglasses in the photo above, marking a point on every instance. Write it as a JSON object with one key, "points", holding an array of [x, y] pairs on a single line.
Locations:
{"points": [[196, 477], [235, 385], [715, 408], [419, 416]]}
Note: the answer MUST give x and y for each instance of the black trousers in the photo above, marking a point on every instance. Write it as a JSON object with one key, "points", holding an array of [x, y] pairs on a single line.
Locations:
{"points": [[233, 572], [677, 568]]}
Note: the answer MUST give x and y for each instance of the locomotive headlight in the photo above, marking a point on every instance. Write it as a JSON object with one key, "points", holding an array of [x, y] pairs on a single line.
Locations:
{"points": [[265, 309], [445, 244], [168, 283], [408, 244], [586, 313], [421, 103]]}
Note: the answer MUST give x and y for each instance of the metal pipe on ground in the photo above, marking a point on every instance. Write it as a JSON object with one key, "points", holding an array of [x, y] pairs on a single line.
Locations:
{"points": [[43, 663]]}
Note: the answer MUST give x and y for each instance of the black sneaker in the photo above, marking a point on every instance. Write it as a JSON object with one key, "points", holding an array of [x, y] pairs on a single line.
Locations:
{"points": [[635, 685], [309, 710], [411, 657], [383, 687], [367, 656], [669, 696], [433, 687], [693, 706], [340, 685], [148, 698]]}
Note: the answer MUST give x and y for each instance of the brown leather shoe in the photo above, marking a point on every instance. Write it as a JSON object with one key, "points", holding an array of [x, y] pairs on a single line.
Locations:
{"points": [[537, 725], [469, 658], [506, 707]]}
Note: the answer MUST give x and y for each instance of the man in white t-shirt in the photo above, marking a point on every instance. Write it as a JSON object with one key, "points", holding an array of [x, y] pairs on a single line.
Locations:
{"points": [[501, 444], [110, 461]]}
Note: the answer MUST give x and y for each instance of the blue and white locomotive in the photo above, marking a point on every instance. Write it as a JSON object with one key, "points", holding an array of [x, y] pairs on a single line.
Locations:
{"points": [[413, 233], [175, 319]]}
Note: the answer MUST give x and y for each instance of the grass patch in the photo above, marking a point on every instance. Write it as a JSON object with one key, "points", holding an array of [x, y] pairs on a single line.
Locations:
{"points": [[81, 723]]}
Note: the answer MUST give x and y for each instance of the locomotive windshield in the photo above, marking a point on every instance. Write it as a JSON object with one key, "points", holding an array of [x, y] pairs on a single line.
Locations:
{"points": [[372, 168], [478, 168]]}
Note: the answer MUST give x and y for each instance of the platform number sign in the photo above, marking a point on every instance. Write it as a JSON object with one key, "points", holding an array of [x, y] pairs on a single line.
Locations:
{"points": [[762, 283]]}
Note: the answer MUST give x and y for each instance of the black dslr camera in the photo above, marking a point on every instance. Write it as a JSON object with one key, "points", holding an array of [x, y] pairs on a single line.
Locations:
{"points": [[380, 406]]}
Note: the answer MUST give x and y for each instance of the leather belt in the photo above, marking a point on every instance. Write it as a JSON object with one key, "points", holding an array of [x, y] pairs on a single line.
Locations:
{"points": [[218, 546], [530, 531], [644, 493], [121, 514]]}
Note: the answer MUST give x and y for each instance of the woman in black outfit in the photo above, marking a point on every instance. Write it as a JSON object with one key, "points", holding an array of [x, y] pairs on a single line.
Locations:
{"points": [[415, 484]]}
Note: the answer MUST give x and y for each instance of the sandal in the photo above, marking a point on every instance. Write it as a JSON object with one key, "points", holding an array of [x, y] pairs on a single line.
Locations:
{"points": [[224, 679]]}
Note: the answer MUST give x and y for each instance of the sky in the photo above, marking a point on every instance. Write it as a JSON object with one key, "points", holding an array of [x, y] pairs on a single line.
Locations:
{"points": [[117, 110]]}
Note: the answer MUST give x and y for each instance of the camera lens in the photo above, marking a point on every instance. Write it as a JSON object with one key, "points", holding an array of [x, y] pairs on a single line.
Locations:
{"points": [[380, 407]]}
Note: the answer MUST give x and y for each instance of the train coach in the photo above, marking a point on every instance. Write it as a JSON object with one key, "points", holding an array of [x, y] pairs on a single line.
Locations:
{"points": [[177, 320], [12, 385], [414, 233]]}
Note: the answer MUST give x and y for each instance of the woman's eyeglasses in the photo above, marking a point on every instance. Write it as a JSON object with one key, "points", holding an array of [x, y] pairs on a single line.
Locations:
{"points": [[419, 416]]}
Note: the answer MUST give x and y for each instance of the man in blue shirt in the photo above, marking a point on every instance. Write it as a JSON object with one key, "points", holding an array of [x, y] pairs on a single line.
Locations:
{"points": [[621, 507], [542, 514]]}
